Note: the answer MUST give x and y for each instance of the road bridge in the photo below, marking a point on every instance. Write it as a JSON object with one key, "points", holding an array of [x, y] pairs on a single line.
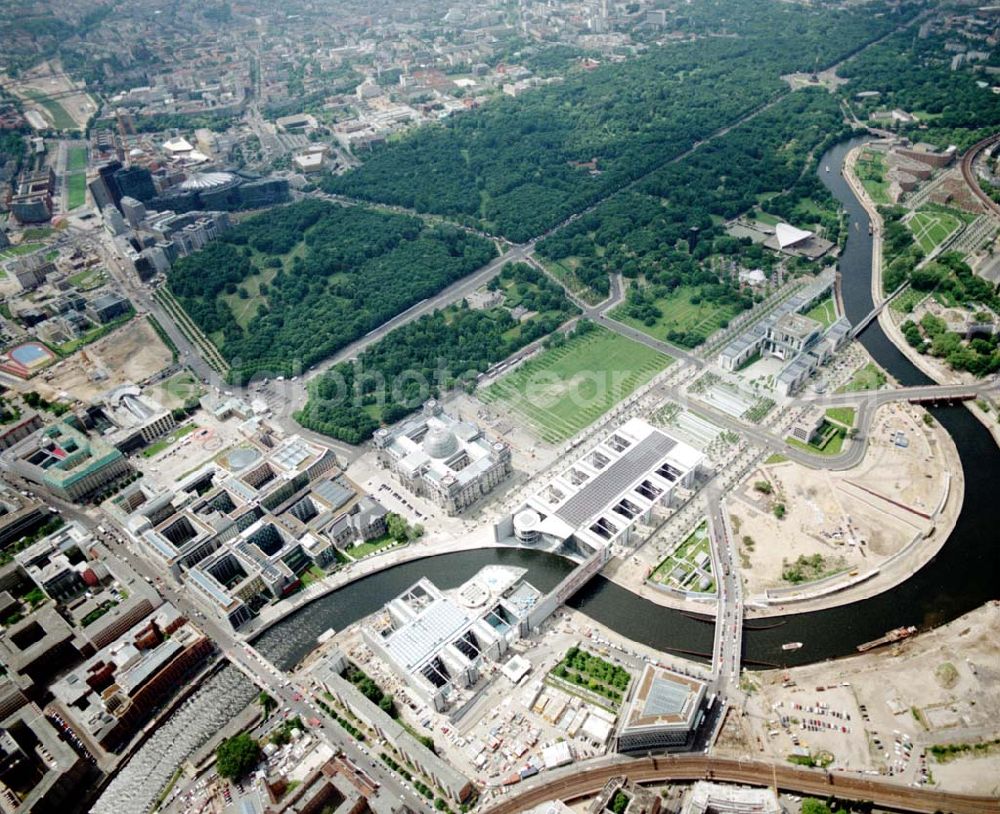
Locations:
{"points": [[920, 394], [727, 651], [588, 778]]}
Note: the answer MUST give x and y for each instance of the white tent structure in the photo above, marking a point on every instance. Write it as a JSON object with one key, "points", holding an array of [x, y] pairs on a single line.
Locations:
{"points": [[789, 235]]}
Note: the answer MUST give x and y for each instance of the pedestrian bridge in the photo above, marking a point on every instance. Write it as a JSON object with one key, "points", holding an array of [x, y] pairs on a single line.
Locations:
{"points": [[873, 314]]}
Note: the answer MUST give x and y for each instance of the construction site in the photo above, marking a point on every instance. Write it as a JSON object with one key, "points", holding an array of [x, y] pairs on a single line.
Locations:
{"points": [[919, 708], [899, 503], [132, 353]]}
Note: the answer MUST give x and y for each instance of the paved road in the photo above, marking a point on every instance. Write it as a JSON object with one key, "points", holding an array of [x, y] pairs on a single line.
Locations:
{"points": [[287, 396], [142, 576]]}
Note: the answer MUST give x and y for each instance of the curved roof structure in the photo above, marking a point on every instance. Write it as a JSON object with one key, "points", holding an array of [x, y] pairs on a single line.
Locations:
{"points": [[789, 235], [203, 181], [440, 442]]}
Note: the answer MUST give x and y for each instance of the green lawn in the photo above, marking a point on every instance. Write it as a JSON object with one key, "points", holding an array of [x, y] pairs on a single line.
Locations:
{"points": [[571, 386], [825, 312], [88, 279], [38, 233], [591, 674], [829, 441], [19, 250], [961, 214], [179, 388], [312, 574], [245, 310], [907, 301], [371, 547], [931, 228], [766, 218], [678, 313], [76, 190], [870, 170], [869, 377], [76, 159], [809, 207], [158, 446], [95, 333], [684, 557], [61, 120], [842, 415]]}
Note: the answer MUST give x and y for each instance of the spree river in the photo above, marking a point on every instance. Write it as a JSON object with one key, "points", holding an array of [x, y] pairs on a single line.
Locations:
{"points": [[960, 578]]}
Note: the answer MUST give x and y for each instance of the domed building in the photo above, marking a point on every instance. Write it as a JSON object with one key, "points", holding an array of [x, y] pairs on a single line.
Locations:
{"points": [[447, 461]]}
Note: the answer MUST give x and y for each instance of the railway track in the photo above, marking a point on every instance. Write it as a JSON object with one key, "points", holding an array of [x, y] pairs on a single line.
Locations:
{"points": [[967, 161], [588, 781]]}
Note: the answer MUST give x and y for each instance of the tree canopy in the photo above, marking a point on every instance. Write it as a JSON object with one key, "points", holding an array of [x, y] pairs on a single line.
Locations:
{"points": [[322, 275], [521, 166], [235, 757], [436, 352]]}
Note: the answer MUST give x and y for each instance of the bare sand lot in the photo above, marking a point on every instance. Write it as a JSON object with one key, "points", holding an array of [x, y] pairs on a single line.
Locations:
{"points": [[884, 711], [130, 354], [853, 520]]}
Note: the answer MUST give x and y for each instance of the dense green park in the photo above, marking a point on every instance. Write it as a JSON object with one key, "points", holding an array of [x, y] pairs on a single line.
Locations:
{"points": [[668, 232], [436, 352], [521, 166], [294, 285]]}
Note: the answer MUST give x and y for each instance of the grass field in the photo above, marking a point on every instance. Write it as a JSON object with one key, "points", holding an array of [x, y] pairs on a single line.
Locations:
{"points": [[18, 251], [825, 312], [869, 377], [76, 190], [375, 546], [76, 159], [569, 387], [158, 446], [870, 170], [61, 120], [312, 574], [564, 271], [37, 233], [766, 218], [907, 301], [95, 333], [178, 389], [684, 558], [829, 441], [931, 228], [245, 310], [842, 415], [88, 279], [678, 313]]}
